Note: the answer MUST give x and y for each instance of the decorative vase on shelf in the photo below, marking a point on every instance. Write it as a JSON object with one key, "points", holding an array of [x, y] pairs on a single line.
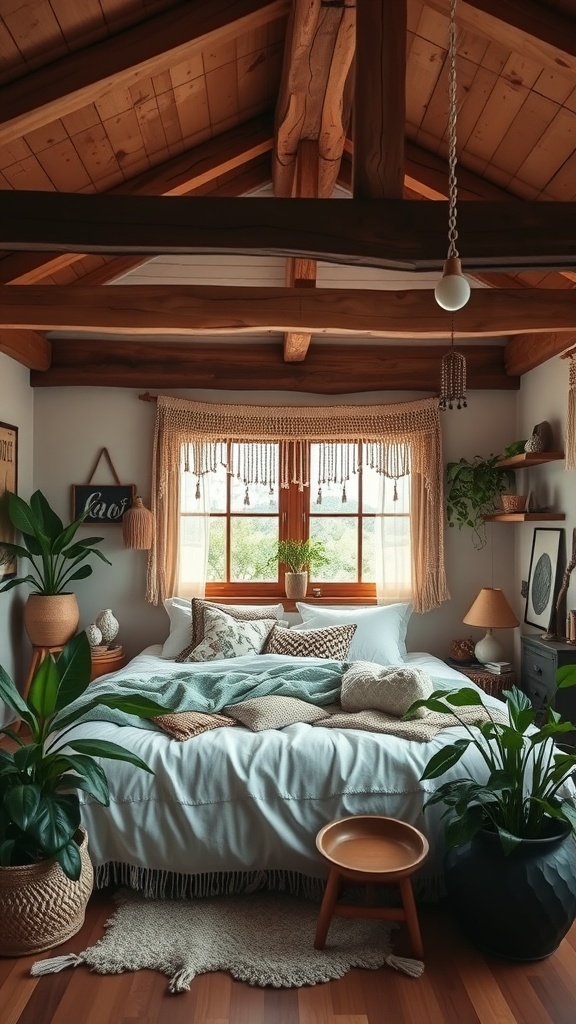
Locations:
{"points": [[108, 625], [540, 439], [94, 635]]}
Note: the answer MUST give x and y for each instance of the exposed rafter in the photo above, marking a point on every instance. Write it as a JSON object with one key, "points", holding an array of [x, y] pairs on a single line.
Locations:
{"points": [[26, 347]]}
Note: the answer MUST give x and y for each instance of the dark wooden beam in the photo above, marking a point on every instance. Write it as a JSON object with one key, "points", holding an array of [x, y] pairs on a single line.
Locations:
{"points": [[147, 49], [380, 100], [526, 351], [26, 347], [328, 369], [397, 234], [302, 273], [170, 309]]}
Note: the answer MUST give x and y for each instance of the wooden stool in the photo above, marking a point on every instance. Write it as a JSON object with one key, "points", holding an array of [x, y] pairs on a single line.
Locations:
{"points": [[375, 850], [38, 655]]}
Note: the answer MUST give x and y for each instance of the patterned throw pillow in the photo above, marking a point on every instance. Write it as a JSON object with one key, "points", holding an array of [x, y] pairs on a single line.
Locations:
{"points": [[227, 637], [332, 642], [199, 606], [184, 725], [274, 712]]}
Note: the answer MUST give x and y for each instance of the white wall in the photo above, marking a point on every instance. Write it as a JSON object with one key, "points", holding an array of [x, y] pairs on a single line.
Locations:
{"points": [[72, 424], [16, 408], [544, 396]]}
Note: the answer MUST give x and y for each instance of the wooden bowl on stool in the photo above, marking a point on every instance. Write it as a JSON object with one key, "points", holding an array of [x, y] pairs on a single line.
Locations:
{"points": [[375, 850]]}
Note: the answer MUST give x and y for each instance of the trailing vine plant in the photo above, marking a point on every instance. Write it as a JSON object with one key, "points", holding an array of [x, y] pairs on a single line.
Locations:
{"points": [[472, 492]]}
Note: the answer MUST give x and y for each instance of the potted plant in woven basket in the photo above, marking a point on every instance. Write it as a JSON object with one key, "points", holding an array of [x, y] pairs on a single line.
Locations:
{"points": [[45, 871], [299, 557], [56, 557], [510, 865]]}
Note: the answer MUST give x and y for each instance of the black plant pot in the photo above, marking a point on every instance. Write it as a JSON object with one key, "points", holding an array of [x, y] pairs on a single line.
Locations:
{"points": [[518, 905]]}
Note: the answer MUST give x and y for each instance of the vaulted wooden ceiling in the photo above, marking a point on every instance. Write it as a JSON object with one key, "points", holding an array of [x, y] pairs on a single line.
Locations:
{"points": [[133, 128]]}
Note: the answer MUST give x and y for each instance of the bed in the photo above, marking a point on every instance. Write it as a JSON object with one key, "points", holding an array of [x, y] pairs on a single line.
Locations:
{"points": [[234, 808]]}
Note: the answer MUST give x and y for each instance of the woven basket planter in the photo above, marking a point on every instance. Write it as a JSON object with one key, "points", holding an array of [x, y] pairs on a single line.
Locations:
{"points": [[50, 620], [514, 502], [39, 906]]}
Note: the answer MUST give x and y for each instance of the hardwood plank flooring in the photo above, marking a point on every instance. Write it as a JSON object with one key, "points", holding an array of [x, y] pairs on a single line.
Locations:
{"points": [[460, 986]]}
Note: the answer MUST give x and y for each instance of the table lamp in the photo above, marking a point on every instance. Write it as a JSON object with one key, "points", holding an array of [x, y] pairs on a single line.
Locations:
{"points": [[491, 611]]}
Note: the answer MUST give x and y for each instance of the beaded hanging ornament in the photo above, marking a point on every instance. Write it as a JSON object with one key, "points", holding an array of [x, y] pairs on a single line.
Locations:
{"points": [[453, 378]]}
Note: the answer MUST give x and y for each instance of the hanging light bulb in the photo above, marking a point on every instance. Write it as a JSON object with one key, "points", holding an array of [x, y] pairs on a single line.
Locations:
{"points": [[452, 377], [453, 290]]}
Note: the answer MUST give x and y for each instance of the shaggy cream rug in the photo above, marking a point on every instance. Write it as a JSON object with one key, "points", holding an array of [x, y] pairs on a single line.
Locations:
{"points": [[262, 939]]}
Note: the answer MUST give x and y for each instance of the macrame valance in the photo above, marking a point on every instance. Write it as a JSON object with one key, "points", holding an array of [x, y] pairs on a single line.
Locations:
{"points": [[400, 439]]}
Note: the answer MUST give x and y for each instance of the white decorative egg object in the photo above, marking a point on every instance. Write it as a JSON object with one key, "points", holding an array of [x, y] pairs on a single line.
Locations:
{"points": [[108, 625], [94, 635]]}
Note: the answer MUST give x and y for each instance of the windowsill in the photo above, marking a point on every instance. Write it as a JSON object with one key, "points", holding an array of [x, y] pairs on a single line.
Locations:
{"points": [[290, 605]]}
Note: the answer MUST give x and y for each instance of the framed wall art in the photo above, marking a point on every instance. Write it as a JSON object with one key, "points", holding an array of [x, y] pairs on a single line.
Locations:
{"points": [[8, 482], [542, 577]]}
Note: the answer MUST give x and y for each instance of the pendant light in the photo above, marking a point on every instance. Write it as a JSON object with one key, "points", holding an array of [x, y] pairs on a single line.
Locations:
{"points": [[453, 290]]}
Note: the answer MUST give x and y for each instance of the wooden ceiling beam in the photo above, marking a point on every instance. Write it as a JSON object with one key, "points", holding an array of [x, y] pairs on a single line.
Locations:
{"points": [[180, 176], [389, 233], [522, 26], [123, 60], [314, 98], [329, 369], [380, 101], [26, 347], [301, 273], [526, 351], [171, 309]]}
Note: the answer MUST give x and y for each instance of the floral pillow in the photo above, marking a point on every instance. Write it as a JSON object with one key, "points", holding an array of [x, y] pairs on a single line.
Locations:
{"points": [[227, 637], [197, 607]]}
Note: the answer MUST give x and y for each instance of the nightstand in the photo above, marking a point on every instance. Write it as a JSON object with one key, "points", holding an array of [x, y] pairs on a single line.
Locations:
{"points": [[106, 659], [491, 682], [540, 660]]}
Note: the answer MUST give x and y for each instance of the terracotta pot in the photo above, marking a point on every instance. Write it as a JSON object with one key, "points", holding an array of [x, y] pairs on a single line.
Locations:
{"points": [[51, 620], [296, 585], [40, 907]]}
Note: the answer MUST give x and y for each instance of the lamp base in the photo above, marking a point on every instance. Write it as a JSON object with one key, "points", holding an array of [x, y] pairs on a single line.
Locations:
{"points": [[488, 648]]}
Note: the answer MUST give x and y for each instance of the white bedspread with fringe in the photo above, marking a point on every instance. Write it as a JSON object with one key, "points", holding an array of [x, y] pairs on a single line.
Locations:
{"points": [[233, 809]]}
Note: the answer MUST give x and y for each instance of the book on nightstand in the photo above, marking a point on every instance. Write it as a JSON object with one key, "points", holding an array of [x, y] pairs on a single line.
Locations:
{"points": [[498, 667]]}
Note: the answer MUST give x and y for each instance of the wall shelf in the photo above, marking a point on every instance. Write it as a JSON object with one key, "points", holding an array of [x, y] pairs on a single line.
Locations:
{"points": [[527, 459], [525, 517]]}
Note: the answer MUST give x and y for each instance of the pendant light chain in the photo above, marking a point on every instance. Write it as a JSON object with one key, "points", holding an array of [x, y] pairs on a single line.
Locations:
{"points": [[452, 119]]}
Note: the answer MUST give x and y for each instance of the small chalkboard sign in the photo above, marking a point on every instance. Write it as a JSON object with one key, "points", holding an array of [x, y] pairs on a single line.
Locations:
{"points": [[104, 504]]}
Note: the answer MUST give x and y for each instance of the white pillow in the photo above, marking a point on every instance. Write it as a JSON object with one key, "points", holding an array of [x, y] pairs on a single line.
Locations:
{"points": [[381, 631], [226, 637], [179, 611]]}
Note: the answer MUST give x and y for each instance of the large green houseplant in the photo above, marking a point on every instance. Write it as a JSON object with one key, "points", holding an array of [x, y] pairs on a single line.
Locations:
{"points": [[40, 778], [473, 489], [511, 857], [56, 558]]}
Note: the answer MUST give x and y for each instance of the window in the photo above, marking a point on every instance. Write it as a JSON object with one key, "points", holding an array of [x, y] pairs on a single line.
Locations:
{"points": [[361, 517]]}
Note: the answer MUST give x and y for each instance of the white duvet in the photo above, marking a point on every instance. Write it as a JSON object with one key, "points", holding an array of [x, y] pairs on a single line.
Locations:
{"points": [[233, 801]]}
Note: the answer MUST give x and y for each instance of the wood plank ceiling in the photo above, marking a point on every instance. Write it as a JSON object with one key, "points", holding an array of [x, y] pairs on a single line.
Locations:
{"points": [[202, 101]]}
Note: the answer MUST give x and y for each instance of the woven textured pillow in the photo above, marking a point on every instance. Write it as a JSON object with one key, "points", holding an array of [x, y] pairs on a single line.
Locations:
{"points": [[226, 637], [274, 712], [392, 689], [184, 725], [332, 642], [199, 605]]}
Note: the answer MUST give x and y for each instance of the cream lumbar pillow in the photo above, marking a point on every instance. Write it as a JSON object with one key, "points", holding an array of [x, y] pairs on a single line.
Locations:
{"points": [[391, 689], [226, 637], [274, 712]]}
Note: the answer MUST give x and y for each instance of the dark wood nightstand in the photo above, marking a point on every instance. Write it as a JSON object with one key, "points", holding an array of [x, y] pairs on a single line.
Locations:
{"points": [[540, 660], [491, 682]]}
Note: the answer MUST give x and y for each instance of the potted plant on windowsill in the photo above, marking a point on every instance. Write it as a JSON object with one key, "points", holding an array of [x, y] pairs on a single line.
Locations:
{"points": [[300, 557], [45, 871], [510, 865], [56, 557]]}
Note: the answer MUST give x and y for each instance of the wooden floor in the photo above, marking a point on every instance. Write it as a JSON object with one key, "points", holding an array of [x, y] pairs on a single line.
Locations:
{"points": [[459, 986]]}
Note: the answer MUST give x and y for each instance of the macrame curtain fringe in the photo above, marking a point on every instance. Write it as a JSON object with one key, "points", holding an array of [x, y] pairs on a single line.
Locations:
{"points": [[570, 439]]}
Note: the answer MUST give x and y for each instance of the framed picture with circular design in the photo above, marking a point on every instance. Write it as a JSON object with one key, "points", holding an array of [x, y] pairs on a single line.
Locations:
{"points": [[547, 545]]}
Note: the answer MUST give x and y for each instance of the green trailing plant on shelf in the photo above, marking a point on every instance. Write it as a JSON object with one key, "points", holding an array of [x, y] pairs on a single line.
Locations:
{"points": [[55, 554], [40, 778], [473, 489]]}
